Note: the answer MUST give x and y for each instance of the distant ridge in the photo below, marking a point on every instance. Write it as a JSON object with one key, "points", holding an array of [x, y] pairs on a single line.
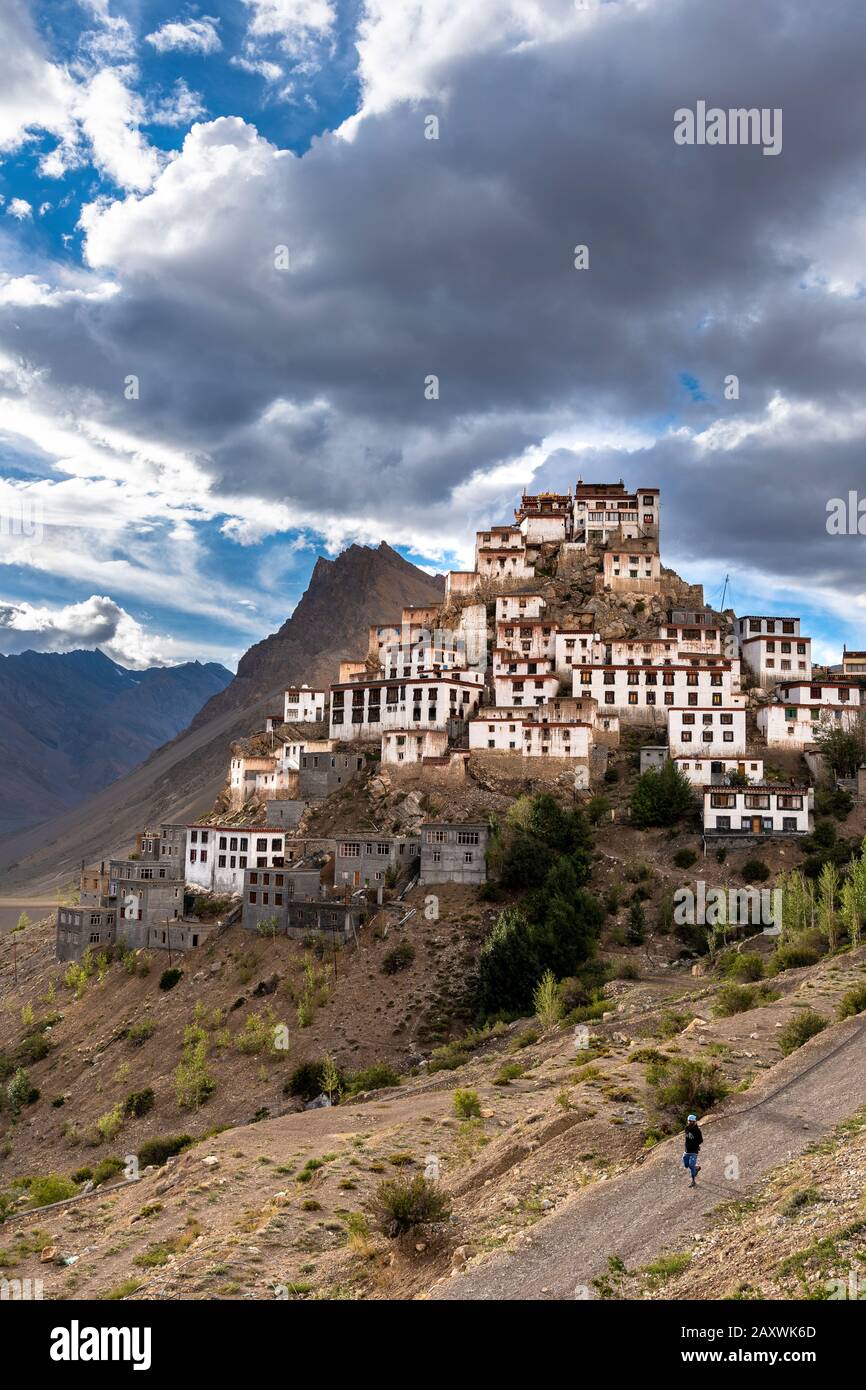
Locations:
{"points": [[181, 779]]}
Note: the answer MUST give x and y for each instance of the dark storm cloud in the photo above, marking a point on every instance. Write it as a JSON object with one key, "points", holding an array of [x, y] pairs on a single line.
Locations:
{"points": [[454, 257]]}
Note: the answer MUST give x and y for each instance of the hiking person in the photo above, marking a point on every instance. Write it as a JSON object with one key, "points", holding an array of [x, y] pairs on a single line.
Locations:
{"points": [[694, 1139]]}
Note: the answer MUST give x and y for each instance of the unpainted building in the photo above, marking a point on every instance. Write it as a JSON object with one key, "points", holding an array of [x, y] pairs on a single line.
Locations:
{"points": [[452, 853]]}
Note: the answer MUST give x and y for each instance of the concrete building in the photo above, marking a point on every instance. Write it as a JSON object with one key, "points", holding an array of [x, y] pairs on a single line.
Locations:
{"points": [[635, 692], [452, 853], [526, 689], [294, 904], [303, 705], [519, 731], [572, 648], [218, 855], [324, 768], [774, 649], [545, 517], [764, 809], [80, 927], [504, 562], [519, 606], [530, 638], [653, 757], [365, 709], [693, 638], [94, 885], [605, 512], [795, 725], [711, 732], [636, 569], [702, 771], [248, 773], [497, 539], [841, 694], [146, 895], [853, 663], [366, 861], [172, 846], [405, 746]]}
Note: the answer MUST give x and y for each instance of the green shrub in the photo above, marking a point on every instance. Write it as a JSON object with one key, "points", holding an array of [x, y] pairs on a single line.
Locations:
{"points": [[661, 797], [400, 1205], [110, 1124], [508, 1073], [746, 966], [681, 1086], [400, 957], [467, 1105], [138, 1033], [448, 1057], [82, 1175], [854, 1002], [792, 957], [32, 1049], [755, 871], [138, 1103], [685, 858], [20, 1091], [372, 1078], [155, 1152], [624, 970], [52, 1187], [169, 978], [737, 999], [306, 1081], [800, 1029], [108, 1168]]}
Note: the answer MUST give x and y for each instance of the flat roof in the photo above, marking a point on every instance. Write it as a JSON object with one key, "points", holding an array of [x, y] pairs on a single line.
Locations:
{"points": [[784, 788]]}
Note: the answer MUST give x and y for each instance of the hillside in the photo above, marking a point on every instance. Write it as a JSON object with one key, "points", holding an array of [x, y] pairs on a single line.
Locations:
{"points": [[182, 779], [278, 1203], [72, 722]]}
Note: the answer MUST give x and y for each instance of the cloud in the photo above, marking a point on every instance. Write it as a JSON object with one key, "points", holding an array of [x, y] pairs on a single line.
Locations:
{"points": [[188, 36], [97, 622], [19, 208], [282, 400], [299, 24], [180, 108]]}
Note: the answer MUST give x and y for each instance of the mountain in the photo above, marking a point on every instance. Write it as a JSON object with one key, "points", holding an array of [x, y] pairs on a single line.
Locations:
{"points": [[72, 722], [181, 779], [364, 585]]}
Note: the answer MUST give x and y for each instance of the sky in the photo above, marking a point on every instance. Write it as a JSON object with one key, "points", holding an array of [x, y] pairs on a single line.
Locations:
{"points": [[232, 257]]}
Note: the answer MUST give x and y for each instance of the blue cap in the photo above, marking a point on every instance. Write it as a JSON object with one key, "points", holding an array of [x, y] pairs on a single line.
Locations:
{"points": [[692, 1117]]}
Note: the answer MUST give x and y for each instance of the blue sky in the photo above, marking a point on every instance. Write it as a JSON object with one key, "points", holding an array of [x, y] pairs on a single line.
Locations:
{"points": [[154, 155]]}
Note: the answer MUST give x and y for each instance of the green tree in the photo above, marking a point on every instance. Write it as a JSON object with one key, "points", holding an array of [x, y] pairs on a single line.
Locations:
{"points": [[828, 885], [508, 965], [843, 747], [661, 797]]}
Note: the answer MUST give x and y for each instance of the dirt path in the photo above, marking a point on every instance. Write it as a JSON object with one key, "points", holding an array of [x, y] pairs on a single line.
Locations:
{"points": [[652, 1209]]}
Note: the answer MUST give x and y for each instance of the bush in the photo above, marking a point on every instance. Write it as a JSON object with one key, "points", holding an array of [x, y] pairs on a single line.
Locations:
{"points": [[747, 966], [737, 999], [108, 1168], [169, 978], [511, 1071], [53, 1187], [661, 797], [110, 1124], [32, 1048], [306, 1081], [597, 809], [624, 970], [403, 1204], [20, 1091], [800, 1029], [373, 1078], [854, 1002], [792, 956], [138, 1033], [685, 858], [611, 775], [636, 930], [138, 1103], [467, 1105], [755, 871], [155, 1152], [681, 1086], [400, 957]]}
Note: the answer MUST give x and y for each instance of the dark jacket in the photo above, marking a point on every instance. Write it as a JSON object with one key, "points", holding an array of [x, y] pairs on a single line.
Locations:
{"points": [[694, 1138]]}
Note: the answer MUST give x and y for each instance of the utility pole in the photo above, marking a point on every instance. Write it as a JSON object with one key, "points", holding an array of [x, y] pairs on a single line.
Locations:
{"points": [[724, 591]]}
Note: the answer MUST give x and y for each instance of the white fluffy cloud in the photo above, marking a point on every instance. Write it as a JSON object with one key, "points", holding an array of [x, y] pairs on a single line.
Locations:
{"points": [[19, 208], [97, 622], [188, 36]]}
